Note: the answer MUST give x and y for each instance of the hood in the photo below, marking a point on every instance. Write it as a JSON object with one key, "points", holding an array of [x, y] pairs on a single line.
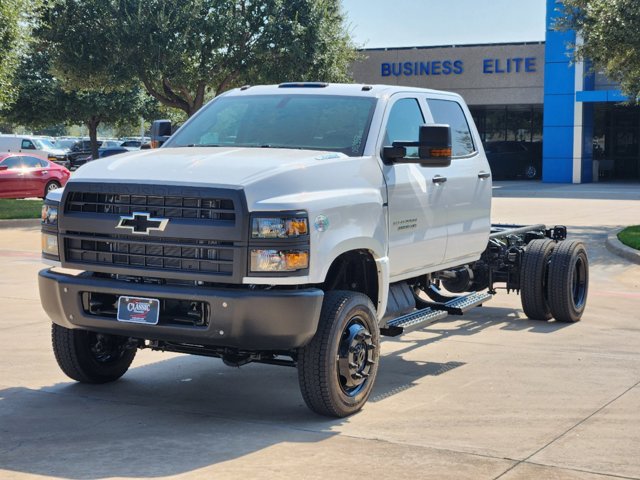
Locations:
{"points": [[194, 166], [272, 179]]}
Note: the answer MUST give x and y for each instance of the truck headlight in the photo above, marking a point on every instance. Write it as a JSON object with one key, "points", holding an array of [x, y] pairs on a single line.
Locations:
{"points": [[50, 244], [49, 215], [279, 227], [273, 260]]}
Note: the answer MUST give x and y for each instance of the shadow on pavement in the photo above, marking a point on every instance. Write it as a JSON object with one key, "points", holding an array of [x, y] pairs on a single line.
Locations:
{"points": [[161, 419]]}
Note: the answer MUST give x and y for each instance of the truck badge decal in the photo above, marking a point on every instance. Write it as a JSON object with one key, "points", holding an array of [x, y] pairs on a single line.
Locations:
{"points": [[321, 223], [406, 224], [141, 223]]}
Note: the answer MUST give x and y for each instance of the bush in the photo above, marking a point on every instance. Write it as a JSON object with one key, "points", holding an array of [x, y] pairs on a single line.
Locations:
{"points": [[630, 236]]}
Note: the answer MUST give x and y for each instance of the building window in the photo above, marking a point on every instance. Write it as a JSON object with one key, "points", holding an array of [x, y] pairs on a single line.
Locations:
{"points": [[519, 123]]}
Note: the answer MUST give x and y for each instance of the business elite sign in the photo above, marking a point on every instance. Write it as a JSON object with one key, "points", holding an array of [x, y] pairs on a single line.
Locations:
{"points": [[490, 66]]}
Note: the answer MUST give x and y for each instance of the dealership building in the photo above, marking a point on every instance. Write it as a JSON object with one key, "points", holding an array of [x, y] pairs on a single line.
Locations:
{"points": [[527, 99]]}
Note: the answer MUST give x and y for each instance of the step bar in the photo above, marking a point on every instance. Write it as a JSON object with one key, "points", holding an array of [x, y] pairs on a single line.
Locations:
{"points": [[434, 313]]}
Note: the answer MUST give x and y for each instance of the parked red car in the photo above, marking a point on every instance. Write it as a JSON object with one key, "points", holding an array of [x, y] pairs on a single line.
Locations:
{"points": [[23, 175]]}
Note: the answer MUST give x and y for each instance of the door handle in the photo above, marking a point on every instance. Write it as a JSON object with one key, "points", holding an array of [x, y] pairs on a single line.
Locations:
{"points": [[44, 172], [483, 175], [439, 179]]}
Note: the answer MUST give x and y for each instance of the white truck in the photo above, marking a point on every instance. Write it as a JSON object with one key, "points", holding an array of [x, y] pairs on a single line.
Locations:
{"points": [[292, 225]]}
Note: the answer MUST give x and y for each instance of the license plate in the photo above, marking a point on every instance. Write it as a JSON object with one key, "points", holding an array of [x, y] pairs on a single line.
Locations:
{"points": [[138, 310]]}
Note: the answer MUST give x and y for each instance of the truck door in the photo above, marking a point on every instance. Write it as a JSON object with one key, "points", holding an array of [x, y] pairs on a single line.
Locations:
{"points": [[417, 220], [468, 183]]}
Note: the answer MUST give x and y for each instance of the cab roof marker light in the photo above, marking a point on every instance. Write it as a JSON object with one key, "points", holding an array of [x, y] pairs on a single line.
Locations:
{"points": [[303, 85]]}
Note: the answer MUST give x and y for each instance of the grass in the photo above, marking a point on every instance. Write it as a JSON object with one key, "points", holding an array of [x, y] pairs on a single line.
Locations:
{"points": [[13, 209], [630, 236]]}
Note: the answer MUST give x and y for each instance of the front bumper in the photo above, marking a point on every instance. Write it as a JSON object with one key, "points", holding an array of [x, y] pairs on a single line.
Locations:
{"points": [[238, 318]]}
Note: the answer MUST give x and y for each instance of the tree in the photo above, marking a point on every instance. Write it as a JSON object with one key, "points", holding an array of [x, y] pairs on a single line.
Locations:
{"points": [[184, 52], [42, 100], [610, 30], [11, 37]]}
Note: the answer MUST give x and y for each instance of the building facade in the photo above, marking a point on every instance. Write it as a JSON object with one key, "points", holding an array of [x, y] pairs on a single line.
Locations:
{"points": [[538, 113]]}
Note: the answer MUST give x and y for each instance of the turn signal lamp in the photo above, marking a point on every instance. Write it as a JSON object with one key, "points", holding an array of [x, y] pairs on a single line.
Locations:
{"points": [[50, 244], [278, 260], [440, 152]]}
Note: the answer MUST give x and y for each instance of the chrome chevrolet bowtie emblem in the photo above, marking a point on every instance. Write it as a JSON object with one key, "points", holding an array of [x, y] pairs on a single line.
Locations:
{"points": [[141, 223]]}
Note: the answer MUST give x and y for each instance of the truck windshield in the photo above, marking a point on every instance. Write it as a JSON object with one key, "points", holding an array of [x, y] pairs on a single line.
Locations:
{"points": [[312, 122]]}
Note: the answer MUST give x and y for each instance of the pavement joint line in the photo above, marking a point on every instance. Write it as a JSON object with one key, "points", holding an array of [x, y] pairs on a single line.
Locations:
{"points": [[572, 469], [20, 298], [11, 327], [569, 430]]}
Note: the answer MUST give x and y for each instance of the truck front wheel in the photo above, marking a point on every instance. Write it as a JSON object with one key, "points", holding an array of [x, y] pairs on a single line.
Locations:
{"points": [[337, 369], [89, 357]]}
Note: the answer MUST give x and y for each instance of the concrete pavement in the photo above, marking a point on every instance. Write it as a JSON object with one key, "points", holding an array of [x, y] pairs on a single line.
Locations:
{"points": [[489, 395]]}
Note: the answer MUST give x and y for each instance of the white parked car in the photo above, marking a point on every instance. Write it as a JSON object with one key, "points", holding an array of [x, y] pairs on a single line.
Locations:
{"points": [[33, 145]]}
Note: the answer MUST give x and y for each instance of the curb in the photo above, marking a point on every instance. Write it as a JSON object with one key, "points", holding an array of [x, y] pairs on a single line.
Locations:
{"points": [[21, 223], [616, 246]]}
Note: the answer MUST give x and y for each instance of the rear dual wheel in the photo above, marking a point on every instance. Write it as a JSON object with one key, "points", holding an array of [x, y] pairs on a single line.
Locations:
{"points": [[534, 279], [554, 280], [568, 281]]}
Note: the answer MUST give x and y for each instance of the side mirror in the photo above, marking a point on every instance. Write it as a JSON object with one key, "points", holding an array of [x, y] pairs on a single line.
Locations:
{"points": [[434, 148], [3, 167], [435, 145], [160, 132]]}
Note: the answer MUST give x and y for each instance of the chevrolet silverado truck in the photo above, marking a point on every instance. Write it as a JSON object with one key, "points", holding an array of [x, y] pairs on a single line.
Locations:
{"points": [[292, 225]]}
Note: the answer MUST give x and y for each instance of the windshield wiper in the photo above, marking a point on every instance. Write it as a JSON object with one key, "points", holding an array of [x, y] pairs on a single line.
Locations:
{"points": [[203, 145]]}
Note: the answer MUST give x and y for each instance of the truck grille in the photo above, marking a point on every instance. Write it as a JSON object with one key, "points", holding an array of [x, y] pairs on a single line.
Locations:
{"points": [[157, 205], [184, 255], [204, 238]]}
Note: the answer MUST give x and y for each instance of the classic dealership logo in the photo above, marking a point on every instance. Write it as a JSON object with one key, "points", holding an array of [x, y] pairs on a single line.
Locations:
{"points": [[141, 223]]}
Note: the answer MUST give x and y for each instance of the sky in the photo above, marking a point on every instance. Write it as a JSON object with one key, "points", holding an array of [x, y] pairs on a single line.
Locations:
{"points": [[411, 23]]}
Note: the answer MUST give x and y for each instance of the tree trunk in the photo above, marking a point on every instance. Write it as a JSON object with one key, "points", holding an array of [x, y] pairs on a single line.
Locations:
{"points": [[92, 125]]}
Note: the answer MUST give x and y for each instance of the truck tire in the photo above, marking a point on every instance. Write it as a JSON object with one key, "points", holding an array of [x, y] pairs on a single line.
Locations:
{"points": [[81, 358], [533, 279], [337, 369], [568, 281]]}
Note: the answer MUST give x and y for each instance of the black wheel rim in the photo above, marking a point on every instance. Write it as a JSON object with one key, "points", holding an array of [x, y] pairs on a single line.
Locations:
{"points": [[355, 357], [531, 171], [579, 283], [105, 349]]}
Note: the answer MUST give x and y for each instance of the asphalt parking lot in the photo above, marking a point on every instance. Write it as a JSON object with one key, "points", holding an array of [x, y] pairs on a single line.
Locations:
{"points": [[489, 395]]}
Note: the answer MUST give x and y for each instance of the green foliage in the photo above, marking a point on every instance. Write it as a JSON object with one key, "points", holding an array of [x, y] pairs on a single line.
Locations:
{"points": [[12, 33], [13, 209], [630, 236], [184, 52], [611, 33], [43, 100]]}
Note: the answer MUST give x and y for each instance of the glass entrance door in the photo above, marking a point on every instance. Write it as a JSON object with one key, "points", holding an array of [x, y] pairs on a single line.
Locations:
{"points": [[625, 146], [616, 141]]}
